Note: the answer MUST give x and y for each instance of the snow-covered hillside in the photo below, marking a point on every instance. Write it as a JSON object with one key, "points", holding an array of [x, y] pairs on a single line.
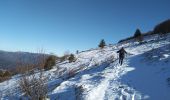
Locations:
{"points": [[96, 74]]}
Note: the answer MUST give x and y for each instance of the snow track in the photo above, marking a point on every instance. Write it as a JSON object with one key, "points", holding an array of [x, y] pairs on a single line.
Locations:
{"points": [[109, 86], [142, 76]]}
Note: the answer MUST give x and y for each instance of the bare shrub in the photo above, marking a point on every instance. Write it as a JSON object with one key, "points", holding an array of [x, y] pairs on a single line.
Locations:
{"points": [[71, 73], [41, 59], [33, 86], [25, 67], [1, 73], [4, 79]]}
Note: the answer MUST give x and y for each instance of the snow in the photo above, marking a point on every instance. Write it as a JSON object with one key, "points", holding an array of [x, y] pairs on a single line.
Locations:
{"points": [[143, 74]]}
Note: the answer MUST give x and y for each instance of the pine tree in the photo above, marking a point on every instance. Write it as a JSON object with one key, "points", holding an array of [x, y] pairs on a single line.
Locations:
{"points": [[138, 36], [137, 33], [102, 44]]}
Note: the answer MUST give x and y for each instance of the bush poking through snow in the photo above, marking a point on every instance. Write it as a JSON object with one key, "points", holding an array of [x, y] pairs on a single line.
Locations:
{"points": [[32, 83], [50, 62], [71, 73], [33, 86], [4, 75], [4, 79], [79, 92], [71, 58], [7, 74]]}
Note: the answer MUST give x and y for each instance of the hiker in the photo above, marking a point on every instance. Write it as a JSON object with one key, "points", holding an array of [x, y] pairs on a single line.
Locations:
{"points": [[121, 55]]}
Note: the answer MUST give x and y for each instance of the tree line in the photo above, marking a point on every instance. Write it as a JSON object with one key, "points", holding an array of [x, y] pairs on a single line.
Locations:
{"points": [[161, 29]]}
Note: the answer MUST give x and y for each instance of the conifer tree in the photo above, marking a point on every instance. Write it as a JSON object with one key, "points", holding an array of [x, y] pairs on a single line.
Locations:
{"points": [[102, 44], [137, 33]]}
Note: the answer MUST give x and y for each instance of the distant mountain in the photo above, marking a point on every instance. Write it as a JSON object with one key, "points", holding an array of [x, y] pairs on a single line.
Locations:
{"points": [[9, 60]]}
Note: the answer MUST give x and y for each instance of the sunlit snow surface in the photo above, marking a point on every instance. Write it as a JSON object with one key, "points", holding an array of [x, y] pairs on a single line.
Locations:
{"points": [[143, 74]]}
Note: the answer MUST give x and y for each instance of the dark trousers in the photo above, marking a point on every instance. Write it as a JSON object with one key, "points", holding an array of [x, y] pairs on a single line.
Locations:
{"points": [[121, 60]]}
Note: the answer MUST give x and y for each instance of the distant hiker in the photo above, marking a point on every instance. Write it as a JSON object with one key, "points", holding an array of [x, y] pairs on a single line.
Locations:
{"points": [[121, 55]]}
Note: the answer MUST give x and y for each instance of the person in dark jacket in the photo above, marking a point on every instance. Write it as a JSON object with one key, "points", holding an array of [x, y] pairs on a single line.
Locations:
{"points": [[122, 53]]}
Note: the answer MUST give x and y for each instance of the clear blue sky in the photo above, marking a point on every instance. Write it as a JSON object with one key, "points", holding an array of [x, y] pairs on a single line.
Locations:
{"points": [[61, 25]]}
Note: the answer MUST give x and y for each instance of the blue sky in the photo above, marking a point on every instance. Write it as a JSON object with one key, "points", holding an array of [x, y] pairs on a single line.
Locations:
{"points": [[62, 25]]}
